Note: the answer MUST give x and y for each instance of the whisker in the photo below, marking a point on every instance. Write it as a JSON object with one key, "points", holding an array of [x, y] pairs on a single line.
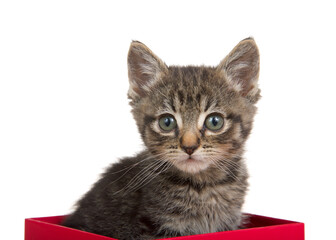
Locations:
{"points": [[221, 165], [139, 175], [127, 169], [138, 184], [151, 176], [131, 166]]}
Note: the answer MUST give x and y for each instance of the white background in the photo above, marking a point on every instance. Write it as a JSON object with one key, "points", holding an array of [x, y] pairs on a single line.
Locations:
{"points": [[64, 114]]}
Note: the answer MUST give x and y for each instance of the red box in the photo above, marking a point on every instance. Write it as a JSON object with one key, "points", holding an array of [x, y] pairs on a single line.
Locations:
{"points": [[259, 228]]}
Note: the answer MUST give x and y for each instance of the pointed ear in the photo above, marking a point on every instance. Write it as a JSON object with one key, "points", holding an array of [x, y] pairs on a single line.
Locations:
{"points": [[144, 69], [241, 69]]}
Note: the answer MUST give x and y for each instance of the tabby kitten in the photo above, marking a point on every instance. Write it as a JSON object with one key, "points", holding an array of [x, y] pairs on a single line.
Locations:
{"points": [[191, 178]]}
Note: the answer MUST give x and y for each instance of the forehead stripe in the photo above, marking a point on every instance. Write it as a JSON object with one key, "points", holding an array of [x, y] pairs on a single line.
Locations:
{"points": [[207, 106]]}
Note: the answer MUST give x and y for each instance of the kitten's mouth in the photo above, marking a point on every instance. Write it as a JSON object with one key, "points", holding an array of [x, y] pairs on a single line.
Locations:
{"points": [[191, 159]]}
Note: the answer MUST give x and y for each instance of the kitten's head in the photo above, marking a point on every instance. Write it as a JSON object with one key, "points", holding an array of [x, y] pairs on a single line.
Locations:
{"points": [[194, 117]]}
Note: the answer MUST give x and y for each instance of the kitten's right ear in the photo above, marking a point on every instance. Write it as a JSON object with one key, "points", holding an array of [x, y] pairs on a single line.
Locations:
{"points": [[144, 69]]}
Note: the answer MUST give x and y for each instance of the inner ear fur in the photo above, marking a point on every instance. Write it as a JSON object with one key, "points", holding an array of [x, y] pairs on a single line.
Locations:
{"points": [[241, 68], [144, 69]]}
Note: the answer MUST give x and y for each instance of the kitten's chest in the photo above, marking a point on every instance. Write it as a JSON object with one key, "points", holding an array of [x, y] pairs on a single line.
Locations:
{"points": [[194, 211], [205, 202]]}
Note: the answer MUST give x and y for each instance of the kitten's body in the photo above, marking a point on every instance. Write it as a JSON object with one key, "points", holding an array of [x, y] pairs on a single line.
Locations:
{"points": [[169, 205], [189, 180]]}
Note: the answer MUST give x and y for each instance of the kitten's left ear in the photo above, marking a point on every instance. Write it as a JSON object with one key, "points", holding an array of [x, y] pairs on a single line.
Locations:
{"points": [[241, 69], [144, 69]]}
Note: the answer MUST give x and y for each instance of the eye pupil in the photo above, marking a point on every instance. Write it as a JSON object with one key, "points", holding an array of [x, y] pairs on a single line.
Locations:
{"points": [[214, 121], [167, 122]]}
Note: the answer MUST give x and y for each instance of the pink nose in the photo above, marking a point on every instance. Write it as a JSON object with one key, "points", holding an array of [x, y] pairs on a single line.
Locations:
{"points": [[190, 150]]}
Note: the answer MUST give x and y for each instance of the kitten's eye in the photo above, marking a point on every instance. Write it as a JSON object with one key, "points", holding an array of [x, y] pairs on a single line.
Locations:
{"points": [[167, 123], [214, 122]]}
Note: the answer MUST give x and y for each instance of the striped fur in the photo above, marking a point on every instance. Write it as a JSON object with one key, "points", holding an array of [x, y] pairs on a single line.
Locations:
{"points": [[166, 190]]}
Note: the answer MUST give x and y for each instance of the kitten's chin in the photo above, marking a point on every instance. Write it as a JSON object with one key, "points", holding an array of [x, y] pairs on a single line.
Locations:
{"points": [[191, 165]]}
